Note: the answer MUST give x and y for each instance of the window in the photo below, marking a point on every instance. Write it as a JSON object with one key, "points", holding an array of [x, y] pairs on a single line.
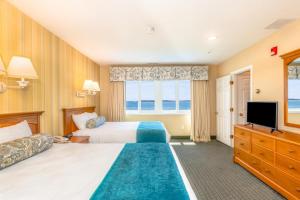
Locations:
{"points": [[168, 92], [132, 96], [147, 90], [157, 96], [184, 95]]}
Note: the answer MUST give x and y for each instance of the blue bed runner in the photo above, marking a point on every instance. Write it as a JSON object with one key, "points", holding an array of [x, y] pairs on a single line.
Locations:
{"points": [[150, 132], [143, 172]]}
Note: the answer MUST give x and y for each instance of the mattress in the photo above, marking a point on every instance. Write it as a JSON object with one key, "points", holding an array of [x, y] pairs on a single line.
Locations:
{"points": [[66, 171], [113, 132]]}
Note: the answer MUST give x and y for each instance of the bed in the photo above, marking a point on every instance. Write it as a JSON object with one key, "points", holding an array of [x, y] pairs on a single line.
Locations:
{"points": [[110, 132], [65, 171]]}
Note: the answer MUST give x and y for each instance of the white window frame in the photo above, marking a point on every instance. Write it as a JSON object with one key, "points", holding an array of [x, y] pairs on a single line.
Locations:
{"points": [[158, 102]]}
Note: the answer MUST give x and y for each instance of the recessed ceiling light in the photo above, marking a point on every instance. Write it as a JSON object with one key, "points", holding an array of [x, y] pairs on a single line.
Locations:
{"points": [[212, 38]]}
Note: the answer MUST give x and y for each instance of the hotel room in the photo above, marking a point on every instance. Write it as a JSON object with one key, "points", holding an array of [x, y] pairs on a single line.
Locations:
{"points": [[150, 100]]}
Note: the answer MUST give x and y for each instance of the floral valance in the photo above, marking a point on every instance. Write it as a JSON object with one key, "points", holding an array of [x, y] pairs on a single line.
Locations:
{"points": [[294, 72], [159, 73]]}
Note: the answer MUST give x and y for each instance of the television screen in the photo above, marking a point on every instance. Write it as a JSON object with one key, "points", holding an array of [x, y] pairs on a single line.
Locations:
{"points": [[262, 113]]}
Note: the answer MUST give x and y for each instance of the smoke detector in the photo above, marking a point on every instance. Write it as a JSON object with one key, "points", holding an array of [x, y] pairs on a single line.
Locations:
{"points": [[150, 30]]}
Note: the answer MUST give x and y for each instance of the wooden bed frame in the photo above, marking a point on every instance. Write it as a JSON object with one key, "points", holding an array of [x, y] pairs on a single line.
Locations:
{"points": [[69, 125], [33, 119]]}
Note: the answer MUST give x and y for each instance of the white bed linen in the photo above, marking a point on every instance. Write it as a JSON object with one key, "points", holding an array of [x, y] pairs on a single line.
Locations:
{"points": [[113, 132], [66, 171]]}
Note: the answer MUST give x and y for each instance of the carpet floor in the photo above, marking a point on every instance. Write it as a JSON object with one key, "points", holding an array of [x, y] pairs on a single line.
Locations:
{"points": [[213, 175]]}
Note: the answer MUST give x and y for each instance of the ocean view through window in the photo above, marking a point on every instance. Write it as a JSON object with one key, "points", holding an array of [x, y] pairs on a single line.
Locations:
{"points": [[294, 95], [168, 96]]}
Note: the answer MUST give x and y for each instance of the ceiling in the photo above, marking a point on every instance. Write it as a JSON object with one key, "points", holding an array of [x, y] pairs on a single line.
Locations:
{"points": [[117, 31]]}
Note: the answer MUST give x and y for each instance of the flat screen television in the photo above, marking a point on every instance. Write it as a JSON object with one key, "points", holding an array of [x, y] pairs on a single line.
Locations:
{"points": [[263, 113]]}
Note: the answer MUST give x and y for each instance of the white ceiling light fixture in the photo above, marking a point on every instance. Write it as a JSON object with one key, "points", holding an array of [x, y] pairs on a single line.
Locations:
{"points": [[213, 37]]}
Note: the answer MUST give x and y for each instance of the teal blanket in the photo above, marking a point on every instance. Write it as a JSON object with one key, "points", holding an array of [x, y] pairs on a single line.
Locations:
{"points": [[143, 172], [150, 132]]}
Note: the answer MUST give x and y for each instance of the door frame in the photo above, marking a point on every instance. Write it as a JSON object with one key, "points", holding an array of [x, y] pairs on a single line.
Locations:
{"points": [[234, 74]]}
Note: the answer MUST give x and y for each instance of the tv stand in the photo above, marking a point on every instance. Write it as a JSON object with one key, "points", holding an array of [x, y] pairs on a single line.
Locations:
{"points": [[252, 125], [272, 129]]}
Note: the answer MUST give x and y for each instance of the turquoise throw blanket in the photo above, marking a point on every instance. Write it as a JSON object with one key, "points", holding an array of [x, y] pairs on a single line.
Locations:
{"points": [[143, 172], [150, 132]]}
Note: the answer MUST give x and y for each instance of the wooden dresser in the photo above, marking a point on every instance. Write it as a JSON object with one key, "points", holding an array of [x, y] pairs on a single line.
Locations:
{"points": [[273, 158]]}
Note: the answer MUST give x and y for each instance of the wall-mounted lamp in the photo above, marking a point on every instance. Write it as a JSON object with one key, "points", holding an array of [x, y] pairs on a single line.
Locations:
{"points": [[21, 67], [90, 88]]}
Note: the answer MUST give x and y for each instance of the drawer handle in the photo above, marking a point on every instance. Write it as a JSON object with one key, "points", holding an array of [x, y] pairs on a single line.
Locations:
{"points": [[242, 144], [261, 153], [267, 171], [291, 167], [242, 133], [291, 151], [261, 140], [298, 189], [254, 162]]}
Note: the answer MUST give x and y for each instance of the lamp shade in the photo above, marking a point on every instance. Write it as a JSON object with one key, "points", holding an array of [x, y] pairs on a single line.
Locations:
{"points": [[21, 67], [88, 85], [2, 68], [96, 87]]}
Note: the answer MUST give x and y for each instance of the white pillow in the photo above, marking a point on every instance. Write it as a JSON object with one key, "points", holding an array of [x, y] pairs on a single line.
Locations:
{"points": [[81, 119], [17, 131]]}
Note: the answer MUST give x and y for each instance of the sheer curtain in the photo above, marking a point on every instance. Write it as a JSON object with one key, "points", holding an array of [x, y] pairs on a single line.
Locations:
{"points": [[116, 110], [200, 109]]}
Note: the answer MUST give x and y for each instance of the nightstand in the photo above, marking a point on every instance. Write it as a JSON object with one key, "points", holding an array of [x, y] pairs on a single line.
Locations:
{"points": [[80, 139]]}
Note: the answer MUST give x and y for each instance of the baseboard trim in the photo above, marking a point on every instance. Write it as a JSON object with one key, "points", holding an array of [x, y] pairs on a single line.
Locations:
{"points": [[180, 137], [212, 137]]}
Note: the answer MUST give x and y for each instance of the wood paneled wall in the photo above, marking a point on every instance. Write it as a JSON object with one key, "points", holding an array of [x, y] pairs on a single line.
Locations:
{"points": [[61, 69]]}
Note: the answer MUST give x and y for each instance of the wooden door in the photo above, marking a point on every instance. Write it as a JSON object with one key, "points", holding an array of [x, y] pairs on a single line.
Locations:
{"points": [[243, 96]]}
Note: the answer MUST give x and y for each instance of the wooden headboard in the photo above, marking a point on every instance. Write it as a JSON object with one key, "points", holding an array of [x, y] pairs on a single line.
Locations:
{"points": [[33, 119], [69, 125]]}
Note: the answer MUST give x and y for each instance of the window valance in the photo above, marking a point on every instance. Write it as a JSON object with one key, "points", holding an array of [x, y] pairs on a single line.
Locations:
{"points": [[159, 73], [294, 72]]}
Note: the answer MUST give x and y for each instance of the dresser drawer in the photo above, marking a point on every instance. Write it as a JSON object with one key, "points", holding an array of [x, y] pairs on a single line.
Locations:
{"points": [[241, 155], [288, 149], [248, 159], [290, 184], [242, 144], [242, 134], [254, 162], [288, 165], [263, 141], [268, 170], [264, 154]]}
